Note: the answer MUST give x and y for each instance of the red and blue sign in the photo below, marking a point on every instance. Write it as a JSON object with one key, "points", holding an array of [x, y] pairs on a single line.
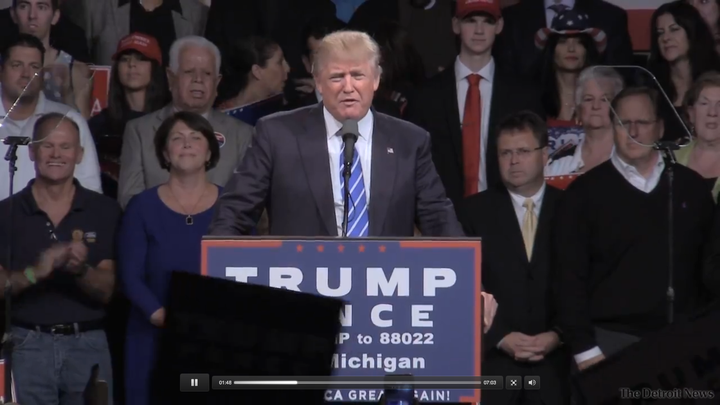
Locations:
{"points": [[412, 307]]}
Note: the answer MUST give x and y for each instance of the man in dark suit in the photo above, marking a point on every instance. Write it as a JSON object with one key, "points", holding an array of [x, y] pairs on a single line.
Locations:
{"points": [[461, 105], [514, 222], [523, 20], [293, 166]]}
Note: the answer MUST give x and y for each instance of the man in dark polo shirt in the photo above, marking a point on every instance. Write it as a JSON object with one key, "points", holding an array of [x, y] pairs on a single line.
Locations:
{"points": [[61, 238]]}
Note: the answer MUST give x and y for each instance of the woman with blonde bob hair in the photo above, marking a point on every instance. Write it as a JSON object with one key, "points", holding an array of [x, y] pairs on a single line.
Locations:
{"points": [[595, 89], [702, 107]]}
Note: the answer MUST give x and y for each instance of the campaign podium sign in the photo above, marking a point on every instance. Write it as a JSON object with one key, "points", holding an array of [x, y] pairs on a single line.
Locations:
{"points": [[412, 306]]}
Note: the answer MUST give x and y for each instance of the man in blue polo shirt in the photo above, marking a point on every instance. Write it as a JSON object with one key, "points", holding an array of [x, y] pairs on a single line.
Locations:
{"points": [[60, 237]]}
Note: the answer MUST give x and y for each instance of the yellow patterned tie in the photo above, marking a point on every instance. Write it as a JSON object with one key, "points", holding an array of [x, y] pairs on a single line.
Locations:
{"points": [[529, 226]]}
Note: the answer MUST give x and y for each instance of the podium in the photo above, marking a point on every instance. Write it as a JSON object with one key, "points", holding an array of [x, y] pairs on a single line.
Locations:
{"points": [[410, 306], [683, 355]]}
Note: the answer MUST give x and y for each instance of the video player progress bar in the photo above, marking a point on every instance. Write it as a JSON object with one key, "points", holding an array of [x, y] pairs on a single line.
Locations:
{"points": [[264, 383]]}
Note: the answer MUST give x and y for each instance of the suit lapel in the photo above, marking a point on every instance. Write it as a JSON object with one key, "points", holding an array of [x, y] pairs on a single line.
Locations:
{"points": [[382, 180], [452, 114], [164, 113], [315, 159], [513, 233], [121, 14], [182, 28], [542, 233]]}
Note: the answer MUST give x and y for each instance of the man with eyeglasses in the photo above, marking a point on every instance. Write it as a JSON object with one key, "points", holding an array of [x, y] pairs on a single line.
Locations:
{"points": [[513, 221], [612, 239]]}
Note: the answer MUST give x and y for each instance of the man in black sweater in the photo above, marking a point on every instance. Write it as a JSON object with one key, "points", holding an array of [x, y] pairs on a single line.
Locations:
{"points": [[611, 239]]}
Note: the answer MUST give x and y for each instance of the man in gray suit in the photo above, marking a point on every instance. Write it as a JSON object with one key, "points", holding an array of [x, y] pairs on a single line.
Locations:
{"points": [[293, 167], [193, 75], [107, 21]]}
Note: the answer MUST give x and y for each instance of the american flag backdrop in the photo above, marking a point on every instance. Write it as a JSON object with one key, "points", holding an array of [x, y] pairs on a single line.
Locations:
{"points": [[639, 13]]}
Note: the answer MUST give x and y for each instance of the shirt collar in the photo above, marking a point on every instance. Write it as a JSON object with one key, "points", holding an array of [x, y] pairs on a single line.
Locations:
{"points": [[519, 200], [39, 107], [569, 3], [172, 5], [28, 202], [333, 126], [205, 115], [462, 71], [627, 169]]}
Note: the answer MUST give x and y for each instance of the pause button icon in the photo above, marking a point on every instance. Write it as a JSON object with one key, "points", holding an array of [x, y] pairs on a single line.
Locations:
{"points": [[194, 382]]}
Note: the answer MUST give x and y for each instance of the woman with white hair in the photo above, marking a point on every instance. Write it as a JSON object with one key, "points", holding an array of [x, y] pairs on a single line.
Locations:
{"points": [[596, 87]]}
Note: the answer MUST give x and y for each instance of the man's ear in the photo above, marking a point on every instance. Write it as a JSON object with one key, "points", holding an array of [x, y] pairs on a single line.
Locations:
{"points": [[307, 64], [170, 77], [499, 25], [56, 17], [13, 15], [31, 151], [80, 156], [456, 26]]}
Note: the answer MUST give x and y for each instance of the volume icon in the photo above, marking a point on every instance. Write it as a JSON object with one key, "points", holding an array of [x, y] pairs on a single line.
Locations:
{"points": [[531, 382]]}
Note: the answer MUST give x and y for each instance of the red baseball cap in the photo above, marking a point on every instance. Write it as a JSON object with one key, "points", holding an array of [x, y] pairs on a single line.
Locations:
{"points": [[467, 7], [144, 44]]}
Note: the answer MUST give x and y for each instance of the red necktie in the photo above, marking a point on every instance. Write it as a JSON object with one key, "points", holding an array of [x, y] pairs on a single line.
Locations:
{"points": [[471, 135]]}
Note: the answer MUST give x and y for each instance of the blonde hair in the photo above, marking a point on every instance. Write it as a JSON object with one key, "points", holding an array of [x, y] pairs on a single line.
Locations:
{"points": [[346, 45], [706, 80]]}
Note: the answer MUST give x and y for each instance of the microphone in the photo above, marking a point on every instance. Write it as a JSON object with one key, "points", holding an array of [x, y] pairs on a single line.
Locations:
{"points": [[16, 140], [349, 133]]}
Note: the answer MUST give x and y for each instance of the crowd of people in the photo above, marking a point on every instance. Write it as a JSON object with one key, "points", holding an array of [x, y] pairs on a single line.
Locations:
{"points": [[223, 119]]}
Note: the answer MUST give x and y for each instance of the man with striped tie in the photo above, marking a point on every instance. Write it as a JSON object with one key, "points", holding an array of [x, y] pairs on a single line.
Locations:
{"points": [[294, 167]]}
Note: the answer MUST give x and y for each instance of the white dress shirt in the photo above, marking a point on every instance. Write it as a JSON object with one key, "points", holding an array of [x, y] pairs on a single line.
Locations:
{"points": [[364, 149], [87, 172], [643, 184], [549, 14], [518, 201], [486, 88], [634, 177]]}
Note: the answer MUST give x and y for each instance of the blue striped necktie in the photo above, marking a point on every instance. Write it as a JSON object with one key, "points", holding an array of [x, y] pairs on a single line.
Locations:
{"points": [[358, 207]]}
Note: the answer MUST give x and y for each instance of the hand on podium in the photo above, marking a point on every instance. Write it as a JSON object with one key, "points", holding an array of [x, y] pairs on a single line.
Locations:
{"points": [[158, 318], [490, 306]]}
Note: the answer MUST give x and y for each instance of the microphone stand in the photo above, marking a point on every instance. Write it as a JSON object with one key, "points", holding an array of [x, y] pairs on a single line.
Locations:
{"points": [[667, 149], [347, 170], [7, 344]]}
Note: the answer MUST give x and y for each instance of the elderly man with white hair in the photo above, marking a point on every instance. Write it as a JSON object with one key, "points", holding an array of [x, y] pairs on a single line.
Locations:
{"points": [[193, 75], [294, 170]]}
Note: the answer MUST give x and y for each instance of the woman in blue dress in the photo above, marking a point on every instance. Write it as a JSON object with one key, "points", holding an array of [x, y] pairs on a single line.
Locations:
{"points": [[161, 233]]}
